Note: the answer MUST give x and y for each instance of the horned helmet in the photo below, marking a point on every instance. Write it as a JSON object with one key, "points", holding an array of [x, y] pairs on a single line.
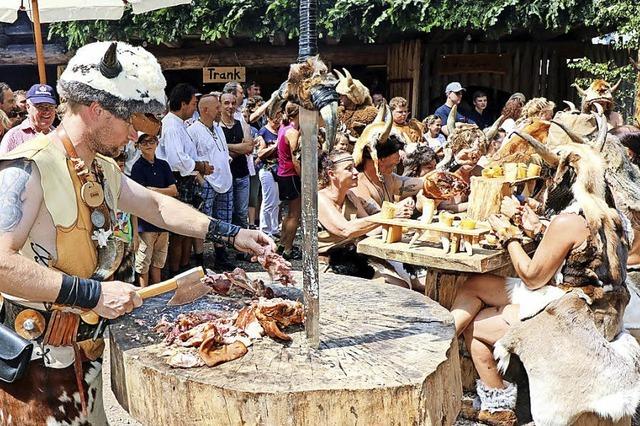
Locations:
{"points": [[599, 91], [375, 134], [352, 88]]}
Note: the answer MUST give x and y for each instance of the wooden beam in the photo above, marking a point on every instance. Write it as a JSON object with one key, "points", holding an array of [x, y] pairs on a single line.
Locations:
{"points": [[266, 56], [54, 54]]}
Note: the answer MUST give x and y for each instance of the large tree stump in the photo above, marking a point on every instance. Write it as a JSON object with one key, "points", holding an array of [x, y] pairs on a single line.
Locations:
{"points": [[387, 356]]}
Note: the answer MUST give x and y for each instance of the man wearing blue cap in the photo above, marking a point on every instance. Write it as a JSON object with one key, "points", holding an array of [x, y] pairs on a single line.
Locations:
{"points": [[454, 92], [41, 111]]}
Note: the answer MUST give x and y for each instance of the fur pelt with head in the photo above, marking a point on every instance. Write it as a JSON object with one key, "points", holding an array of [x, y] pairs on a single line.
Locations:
{"points": [[572, 368], [621, 175], [304, 76], [355, 120], [590, 192], [516, 149], [412, 131]]}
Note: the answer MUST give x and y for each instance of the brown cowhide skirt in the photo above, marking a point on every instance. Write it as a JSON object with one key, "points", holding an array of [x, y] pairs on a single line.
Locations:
{"points": [[50, 396]]}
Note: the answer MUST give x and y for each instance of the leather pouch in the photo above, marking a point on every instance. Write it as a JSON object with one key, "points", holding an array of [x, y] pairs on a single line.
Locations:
{"points": [[15, 354]]}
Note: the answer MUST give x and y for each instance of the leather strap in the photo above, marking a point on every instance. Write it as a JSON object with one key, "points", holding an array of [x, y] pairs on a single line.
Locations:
{"points": [[66, 142]]}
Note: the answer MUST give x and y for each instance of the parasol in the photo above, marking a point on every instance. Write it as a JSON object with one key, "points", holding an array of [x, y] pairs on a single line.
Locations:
{"points": [[49, 11]]}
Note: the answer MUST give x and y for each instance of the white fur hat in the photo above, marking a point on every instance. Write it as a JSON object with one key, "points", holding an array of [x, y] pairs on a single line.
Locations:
{"points": [[124, 79]]}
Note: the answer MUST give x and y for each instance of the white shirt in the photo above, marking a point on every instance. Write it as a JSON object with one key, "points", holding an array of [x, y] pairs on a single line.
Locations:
{"points": [[133, 154], [211, 146], [435, 143], [176, 146]]}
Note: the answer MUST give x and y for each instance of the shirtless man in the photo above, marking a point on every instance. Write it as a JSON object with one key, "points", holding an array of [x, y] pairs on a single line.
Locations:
{"points": [[58, 195], [393, 187], [372, 192]]}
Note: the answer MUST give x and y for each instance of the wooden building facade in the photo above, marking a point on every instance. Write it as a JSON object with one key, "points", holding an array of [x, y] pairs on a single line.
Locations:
{"points": [[417, 69]]}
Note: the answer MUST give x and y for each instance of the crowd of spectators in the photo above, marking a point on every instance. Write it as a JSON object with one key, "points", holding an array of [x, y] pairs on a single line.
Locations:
{"points": [[233, 157]]}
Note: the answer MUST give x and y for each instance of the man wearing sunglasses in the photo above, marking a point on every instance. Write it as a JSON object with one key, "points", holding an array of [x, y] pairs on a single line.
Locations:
{"points": [[454, 92], [41, 111]]}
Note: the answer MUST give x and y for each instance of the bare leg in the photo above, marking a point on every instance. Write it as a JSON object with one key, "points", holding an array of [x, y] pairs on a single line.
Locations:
{"points": [[154, 275], [488, 327], [476, 292], [252, 216], [198, 246], [143, 279], [175, 252], [290, 224], [186, 251]]}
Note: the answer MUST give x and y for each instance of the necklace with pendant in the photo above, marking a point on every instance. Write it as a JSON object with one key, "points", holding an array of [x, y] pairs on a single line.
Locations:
{"points": [[91, 192]]}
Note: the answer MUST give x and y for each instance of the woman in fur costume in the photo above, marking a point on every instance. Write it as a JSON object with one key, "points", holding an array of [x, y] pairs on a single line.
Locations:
{"points": [[583, 251]]}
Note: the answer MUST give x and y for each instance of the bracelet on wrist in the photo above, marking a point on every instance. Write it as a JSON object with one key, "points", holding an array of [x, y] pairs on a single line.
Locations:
{"points": [[222, 232], [506, 242], [81, 292]]}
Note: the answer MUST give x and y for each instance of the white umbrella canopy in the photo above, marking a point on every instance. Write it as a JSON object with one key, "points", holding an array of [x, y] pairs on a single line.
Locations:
{"points": [[48, 11], [80, 10]]}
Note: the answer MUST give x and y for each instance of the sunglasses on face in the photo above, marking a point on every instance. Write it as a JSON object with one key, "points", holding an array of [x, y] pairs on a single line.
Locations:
{"points": [[152, 141]]}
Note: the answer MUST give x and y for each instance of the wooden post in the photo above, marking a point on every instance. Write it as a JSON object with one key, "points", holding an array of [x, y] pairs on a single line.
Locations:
{"points": [[636, 66], [308, 46], [311, 284], [37, 33]]}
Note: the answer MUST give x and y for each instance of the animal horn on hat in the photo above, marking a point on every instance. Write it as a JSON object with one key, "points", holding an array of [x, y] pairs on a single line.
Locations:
{"points": [[572, 135], [492, 131], [381, 113], [348, 75], [340, 76], [110, 67], [547, 155], [572, 106], [581, 91], [603, 128], [387, 130], [615, 86]]}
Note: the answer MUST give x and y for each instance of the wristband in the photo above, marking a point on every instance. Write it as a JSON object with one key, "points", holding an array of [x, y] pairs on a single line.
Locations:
{"points": [[222, 232], [506, 242], [81, 292]]}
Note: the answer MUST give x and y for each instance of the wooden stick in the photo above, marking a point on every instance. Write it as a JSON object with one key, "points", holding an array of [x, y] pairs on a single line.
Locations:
{"points": [[37, 33]]}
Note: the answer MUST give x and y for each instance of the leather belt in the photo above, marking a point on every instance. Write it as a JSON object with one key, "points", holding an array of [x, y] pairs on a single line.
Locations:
{"points": [[12, 310]]}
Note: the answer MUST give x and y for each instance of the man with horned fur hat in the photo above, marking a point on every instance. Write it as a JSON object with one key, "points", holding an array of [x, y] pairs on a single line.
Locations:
{"points": [[59, 196]]}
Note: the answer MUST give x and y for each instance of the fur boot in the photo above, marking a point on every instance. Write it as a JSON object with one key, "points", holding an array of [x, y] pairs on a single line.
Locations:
{"points": [[492, 406]]}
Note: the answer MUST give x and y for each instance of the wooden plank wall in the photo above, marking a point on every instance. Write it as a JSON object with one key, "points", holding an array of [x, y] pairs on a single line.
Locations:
{"points": [[534, 68], [403, 72]]}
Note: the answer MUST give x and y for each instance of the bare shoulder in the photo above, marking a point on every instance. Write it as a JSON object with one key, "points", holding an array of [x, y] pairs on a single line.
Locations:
{"points": [[20, 195], [570, 224], [569, 219]]}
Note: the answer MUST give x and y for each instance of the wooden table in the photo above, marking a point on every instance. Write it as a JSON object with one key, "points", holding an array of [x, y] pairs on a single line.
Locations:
{"points": [[445, 274], [387, 356]]}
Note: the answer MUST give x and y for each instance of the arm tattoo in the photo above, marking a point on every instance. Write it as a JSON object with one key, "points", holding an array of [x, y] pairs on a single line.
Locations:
{"points": [[42, 255], [408, 188], [13, 183]]}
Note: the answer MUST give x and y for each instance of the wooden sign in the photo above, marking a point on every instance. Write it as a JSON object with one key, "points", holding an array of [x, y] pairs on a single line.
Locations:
{"points": [[223, 74], [495, 63]]}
